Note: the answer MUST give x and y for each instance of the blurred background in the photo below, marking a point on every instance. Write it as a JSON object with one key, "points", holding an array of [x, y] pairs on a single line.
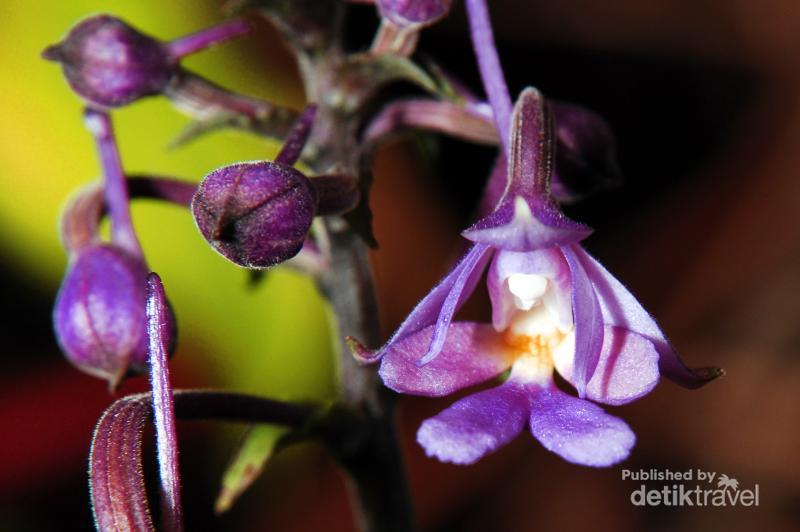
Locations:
{"points": [[704, 99]]}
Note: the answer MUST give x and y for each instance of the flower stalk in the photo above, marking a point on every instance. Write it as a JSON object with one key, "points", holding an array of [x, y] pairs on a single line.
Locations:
{"points": [[115, 186]]}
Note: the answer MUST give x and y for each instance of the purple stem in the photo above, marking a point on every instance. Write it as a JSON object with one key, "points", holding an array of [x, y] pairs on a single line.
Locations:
{"points": [[202, 99], [163, 188], [296, 140], [494, 82], [456, 120], [158, 323], [202, 39], [116, 190], [81, 219]]}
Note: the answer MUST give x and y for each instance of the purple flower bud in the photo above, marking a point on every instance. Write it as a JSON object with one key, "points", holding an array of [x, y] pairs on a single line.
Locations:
{"points": [[109, 63], [586, 160], [409, 13], [255, 214], [99, 314]]}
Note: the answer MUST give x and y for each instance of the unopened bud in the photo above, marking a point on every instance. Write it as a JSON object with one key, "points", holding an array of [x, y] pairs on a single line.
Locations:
{"points": [[586, 158], [100, 313], [255, 214], [109, 63]]}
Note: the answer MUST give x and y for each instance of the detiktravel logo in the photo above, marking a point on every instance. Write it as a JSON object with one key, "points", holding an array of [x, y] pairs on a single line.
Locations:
{"points": [[693, 487]]}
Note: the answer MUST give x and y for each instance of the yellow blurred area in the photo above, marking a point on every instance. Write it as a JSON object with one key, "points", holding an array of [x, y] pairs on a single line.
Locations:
{"points": [[272, 340]]}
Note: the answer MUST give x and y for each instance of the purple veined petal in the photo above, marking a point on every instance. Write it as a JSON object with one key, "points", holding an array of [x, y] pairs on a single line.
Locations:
{"points": [[517, 225], [527, 217], [585, 152], [460, 282], [627, 368], [471, 269], [472, 353], [549, 263], [532, 150], [477, 425], [116, 481], [588, 322], [577, 430], [158, 331], [620, 308]]}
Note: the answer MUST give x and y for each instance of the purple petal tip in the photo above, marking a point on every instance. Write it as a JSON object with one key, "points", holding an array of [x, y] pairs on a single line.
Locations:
{"points": [[361, 353]]}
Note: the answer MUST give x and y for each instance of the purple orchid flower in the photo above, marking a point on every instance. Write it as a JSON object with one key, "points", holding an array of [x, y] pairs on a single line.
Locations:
{"points": [[554, 308]]}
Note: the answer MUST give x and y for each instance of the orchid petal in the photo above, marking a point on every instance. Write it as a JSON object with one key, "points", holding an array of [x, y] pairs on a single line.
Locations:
{"points": [[473, 353], [477, 425], [516, 225], [527, 217], [627, 368], [588, 322], [116, 482], [577, 430], [437, 306], [620, 307], [159, 325], [548, 263], [461, 282]]}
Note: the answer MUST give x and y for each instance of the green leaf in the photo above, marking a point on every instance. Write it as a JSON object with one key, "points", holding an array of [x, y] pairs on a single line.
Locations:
{"points": [[258, 445]]}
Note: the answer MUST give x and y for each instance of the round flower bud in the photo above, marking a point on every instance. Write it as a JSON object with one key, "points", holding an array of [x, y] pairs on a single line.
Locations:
{"points": [[255, 214], [100, 313], [409, 13], [109, 63]]}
